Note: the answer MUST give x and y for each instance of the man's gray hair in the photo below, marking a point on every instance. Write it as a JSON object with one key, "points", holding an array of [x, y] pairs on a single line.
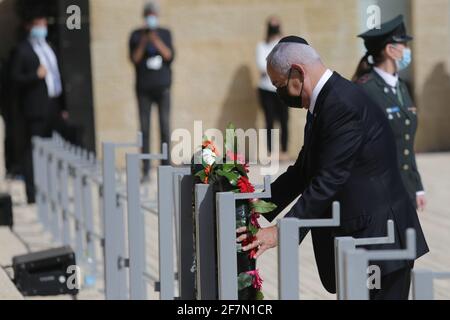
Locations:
{"points": [[284, 55]]}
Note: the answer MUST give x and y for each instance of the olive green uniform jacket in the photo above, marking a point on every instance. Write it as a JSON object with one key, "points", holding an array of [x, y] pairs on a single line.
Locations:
{"points": [[402, 114]]}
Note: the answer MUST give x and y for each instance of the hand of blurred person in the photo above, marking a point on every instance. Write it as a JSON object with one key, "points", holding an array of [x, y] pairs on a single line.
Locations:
{"points": [[152, 35], [41, 72], [65, 115], [155, 40], [421, 202]]}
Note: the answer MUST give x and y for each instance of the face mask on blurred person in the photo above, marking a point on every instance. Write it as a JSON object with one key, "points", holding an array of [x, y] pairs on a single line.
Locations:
{"points": [[152, 22], [273, 30], [39, 32], [290, 101], [405, 61]]}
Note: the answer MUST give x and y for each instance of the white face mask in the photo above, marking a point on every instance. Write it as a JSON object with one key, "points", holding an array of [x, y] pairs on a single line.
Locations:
{"points": [[405, 60], [152, 22]]}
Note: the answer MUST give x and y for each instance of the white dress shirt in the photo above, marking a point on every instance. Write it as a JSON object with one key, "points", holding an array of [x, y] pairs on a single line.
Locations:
{"points": [[318, 88], [47, 58], [262, 52], [390, 79]]}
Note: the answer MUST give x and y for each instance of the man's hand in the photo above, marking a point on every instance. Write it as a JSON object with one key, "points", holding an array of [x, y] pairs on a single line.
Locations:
{"points": [[265, 239], [421, 202], [41, 72]]}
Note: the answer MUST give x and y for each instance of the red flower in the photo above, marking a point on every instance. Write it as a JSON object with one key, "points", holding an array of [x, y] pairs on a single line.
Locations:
{"points": [[245, 186], [252, 254], [257, 280], [254, 220]]}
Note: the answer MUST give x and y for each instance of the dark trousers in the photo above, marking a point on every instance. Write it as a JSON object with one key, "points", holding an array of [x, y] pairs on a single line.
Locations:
{"points": [[35, 128], [275, 109], [394, 286], [160, 97], [41, 127]]}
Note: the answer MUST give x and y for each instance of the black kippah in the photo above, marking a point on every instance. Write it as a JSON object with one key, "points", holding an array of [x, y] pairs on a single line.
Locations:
{"points": [[293, 39]]}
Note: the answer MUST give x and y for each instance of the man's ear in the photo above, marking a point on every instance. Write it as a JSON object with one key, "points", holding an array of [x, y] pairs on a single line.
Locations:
{"points": [[300, 71]]}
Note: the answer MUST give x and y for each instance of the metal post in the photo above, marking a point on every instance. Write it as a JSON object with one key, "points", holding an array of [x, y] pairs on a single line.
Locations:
{"points": [[226, 246], [114, 230], [356, 263], [65, 203], [422, 283], [226, 238], [136, 230], [53, 172], [79, 221], [136, 224], [165, 223], [343, 244], [88, 220], [206, 243], [288, 233], [186, 274]]}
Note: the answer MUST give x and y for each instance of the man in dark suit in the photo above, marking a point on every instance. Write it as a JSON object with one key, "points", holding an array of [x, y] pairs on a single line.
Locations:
{"points": [[37, 80], [349, 155], [152, 53]]}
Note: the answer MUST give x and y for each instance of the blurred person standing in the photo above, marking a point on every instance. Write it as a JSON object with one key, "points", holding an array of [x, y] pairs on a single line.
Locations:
{"points": [[387, 54], [274, 108], [36, 76], [152, 53]]}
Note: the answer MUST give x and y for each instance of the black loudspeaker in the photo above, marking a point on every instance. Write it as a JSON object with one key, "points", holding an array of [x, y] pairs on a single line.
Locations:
{"points": [[46, 273], [6, 211]]}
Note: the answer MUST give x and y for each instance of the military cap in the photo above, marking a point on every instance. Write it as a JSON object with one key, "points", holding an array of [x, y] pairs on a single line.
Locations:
{"points": [[393, 31]]}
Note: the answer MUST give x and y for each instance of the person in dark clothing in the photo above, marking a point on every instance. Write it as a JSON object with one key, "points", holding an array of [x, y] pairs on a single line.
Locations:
{"points": [[274, 108], [152, 53], [37, 81], [349, 156]]}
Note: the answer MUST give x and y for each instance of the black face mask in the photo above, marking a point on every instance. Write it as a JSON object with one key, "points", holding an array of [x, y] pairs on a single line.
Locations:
{"points": [[273, 30], [290, 101]]}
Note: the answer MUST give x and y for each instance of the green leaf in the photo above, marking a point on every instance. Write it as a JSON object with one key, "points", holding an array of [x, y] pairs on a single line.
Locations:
{"points": [[244, 281], [253, 230], [259, 296], [263, 207], [228, 167], [231, 176], [201, 175]]}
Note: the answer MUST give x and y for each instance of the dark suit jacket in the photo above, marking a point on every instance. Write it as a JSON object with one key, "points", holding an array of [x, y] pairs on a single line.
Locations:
{"points": [[32, 91], [351, 158]]}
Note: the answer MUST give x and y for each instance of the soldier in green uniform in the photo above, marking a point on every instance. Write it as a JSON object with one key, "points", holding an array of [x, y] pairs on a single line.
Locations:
{"points": [[387, 54]]}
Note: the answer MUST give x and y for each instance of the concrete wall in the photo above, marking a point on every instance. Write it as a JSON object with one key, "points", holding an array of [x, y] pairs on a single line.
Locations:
{"points": [[431, 49], [215, 77]]}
